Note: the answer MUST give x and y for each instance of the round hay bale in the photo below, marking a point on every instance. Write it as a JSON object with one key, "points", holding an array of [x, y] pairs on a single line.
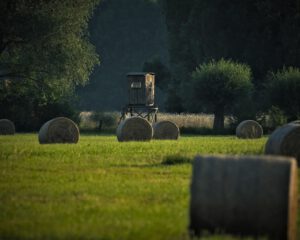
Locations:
{"points": [[249, 129], [285, 141], [59, 130], [134, 129], [248, 196], [7, 127], [295, 122], [165, 130]]}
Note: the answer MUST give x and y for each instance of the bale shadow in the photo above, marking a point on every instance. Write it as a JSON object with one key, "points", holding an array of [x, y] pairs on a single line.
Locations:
{"points": [[176, 159]]}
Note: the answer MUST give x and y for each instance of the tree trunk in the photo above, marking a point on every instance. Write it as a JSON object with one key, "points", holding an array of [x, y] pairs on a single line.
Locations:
{"points": [[219, 119], [100, 125]]}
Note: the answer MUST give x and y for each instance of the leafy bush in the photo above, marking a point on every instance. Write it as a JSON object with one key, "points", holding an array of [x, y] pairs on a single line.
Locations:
{"points": [[284, 89], [272, 119], [30, 115], [105, 120]]}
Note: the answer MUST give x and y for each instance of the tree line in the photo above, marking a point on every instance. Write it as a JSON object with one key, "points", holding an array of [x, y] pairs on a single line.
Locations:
{"points": [[261, 34], [49, 56], [126, 33]]}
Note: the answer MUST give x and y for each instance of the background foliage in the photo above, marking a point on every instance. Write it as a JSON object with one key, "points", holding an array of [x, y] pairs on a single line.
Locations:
{"points": [[46, 57], [126, 34], [219, 85], [263, 34], [284, 89], [44, 54]]}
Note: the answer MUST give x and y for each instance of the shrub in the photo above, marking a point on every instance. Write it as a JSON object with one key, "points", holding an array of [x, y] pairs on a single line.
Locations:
{"points": [[30, 115], [105, 120], [272, 119]]}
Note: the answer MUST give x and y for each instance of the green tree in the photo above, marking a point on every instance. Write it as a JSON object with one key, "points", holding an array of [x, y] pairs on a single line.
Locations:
{"points": [[219, 85], [46, 40], [44, 53], [284, 88], [261, 33]]}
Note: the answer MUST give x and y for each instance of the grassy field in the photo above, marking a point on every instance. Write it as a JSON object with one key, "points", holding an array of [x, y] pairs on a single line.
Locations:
{"points": [[102, 189]]}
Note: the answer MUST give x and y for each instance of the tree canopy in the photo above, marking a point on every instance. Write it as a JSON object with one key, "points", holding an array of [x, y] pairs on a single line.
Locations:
{"points": [[44, 52], [219, 85], [261, 33], [46, 40]]}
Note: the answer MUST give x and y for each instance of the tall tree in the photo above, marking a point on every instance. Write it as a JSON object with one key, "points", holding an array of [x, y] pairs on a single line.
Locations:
{"points": [[46, 40], [44, 52], [219, 85], [262, 33]]}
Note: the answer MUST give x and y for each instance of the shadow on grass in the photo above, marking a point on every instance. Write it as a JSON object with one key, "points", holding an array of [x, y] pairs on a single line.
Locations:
{"points": [[205, 131], [176, 159], [167, 161]]}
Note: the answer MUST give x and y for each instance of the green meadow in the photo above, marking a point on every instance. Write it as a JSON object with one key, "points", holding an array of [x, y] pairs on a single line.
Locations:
{"points": [[102, 189]]}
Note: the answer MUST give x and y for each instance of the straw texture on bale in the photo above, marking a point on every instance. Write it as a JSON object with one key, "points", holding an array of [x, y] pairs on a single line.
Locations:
{"points": [[134, 129], [7, 127], [248, 196], [249, 129], [59, 130], [165, 130], [285, 141]]}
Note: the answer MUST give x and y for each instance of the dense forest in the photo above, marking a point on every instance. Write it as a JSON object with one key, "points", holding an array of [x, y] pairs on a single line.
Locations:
{"points": [[263, 34], [126, 34], [59, 57]]}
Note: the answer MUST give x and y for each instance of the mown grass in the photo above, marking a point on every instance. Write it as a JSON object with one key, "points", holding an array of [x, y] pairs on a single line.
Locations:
{"points": [[102, 189]]}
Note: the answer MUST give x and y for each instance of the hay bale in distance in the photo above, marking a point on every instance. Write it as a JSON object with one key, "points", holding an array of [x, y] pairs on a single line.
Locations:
{"points": [[285, 141], [249, 129], [165, 130], [134, 129], [295, 122], [248, 196], [7, 127], [59, 130]]}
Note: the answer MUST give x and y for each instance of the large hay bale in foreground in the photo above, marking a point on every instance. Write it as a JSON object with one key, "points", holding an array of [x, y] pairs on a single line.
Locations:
{"points": [[7, 127], [59, 130], [134, 129], [248, 196], [249, 129], [165, 130], [285, 141]]}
